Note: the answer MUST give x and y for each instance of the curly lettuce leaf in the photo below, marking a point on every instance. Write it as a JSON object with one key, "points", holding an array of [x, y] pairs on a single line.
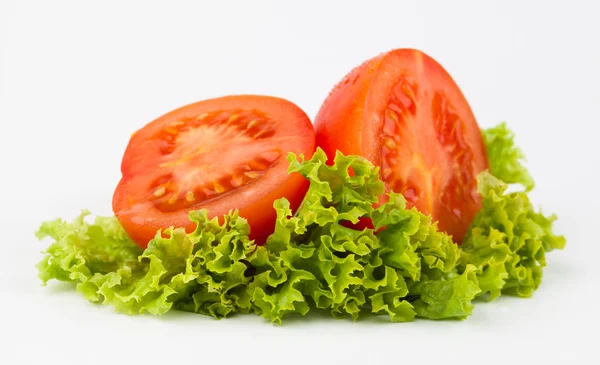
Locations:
{"points": [[505, 158], [508, 241], [198, 272], [314, 258]]}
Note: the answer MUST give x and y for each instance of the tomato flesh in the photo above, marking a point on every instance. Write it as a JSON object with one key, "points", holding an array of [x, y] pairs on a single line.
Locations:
{"points": [[402, 111], [219, 154], [242, 161]]}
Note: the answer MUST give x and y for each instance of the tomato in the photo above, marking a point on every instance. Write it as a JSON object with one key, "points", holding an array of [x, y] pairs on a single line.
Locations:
{"points": [[403, 112], [219, 154]]}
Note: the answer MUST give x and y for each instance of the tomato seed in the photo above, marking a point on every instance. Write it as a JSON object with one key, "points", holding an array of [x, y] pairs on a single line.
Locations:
{"points": [[160, 191], [389, 142], [233, 118], [265, 133], [253, 123], [219, 188], [251, 174], [236, 181], [190, 196]]}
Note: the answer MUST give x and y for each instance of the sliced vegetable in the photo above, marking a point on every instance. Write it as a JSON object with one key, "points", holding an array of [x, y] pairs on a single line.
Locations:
{"points": [[403, 112], [218, 154]]}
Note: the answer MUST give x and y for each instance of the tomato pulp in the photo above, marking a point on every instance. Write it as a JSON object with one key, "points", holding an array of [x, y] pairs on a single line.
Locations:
{"points": [[219, 154], [403, 112]]}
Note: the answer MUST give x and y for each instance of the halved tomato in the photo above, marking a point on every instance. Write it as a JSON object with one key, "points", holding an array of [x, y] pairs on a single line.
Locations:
{"points": [[219, 154], [403, 112]]}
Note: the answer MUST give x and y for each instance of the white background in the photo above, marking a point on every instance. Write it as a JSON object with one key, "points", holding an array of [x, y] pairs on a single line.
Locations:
{"points": [[76, 78]]}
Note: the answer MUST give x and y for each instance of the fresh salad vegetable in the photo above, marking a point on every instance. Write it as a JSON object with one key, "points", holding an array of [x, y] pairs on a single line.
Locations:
{"points": [[219, 154], [403, 112], [344, 234]]}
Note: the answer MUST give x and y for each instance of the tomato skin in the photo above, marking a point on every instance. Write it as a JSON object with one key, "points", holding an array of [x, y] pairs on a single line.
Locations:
{"points": [[137, 209], [342, 112], [353, 120]]}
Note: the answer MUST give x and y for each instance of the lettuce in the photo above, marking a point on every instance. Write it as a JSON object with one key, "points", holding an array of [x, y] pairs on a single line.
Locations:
{"points": [[193, 271], [403, 267], [314, 260], [508, 240], [505, 158]]}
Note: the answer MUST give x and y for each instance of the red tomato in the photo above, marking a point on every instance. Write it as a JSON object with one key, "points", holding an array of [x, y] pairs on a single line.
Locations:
{"points": [[219, 154], [403, 112]]}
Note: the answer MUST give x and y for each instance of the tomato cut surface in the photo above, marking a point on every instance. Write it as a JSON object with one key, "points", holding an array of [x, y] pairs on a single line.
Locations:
{"points": [[403, 112], [218, 154]]}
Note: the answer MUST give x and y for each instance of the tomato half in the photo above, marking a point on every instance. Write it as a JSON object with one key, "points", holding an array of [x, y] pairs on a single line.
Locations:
{"points": [[403, 112], [219, 154]]}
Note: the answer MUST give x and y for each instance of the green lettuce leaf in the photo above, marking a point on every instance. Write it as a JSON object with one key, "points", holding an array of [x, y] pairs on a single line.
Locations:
{"points": [[507, 242], [315, 259], [198, 272], [403, 267], [505, 158]]}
